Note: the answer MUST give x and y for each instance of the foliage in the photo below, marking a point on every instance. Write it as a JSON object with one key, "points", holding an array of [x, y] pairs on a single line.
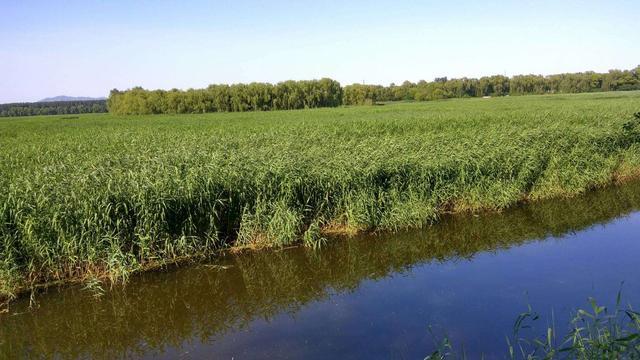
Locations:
{"points": [[286, 95], [325, 92], [53, 108], [102, 196], [594, 333], [240, 287], [497, 85]]}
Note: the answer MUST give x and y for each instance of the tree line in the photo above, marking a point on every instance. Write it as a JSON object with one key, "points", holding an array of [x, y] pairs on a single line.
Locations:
{"points": [[53, 108], [289, 95], [497, 85], [286, 95]]}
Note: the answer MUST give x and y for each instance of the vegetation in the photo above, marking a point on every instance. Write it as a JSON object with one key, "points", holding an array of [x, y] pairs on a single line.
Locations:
{"points": [[53, 108], [102, 196], [286, 95], [207, 301], [497, 85], [594, 333], [291, 95]]}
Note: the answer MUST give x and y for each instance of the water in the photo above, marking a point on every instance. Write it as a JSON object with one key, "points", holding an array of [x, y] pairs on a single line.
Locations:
{"points": [[369, 297]]}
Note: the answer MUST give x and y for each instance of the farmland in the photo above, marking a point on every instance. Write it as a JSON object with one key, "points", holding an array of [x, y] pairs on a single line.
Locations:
{"points": [[101, 196]]}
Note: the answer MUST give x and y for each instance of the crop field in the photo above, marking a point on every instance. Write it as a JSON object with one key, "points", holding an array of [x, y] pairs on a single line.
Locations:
{"points": [[98, 197]]}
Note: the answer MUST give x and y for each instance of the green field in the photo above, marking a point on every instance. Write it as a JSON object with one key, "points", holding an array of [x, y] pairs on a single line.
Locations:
{"points": [[100, 196]]}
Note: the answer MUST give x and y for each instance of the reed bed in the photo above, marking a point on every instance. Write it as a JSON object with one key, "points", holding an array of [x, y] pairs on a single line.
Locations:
{"points": [[102, 196]]}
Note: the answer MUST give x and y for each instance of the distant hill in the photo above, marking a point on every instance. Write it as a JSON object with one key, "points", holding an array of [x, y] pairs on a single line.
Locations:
{"points": [[70, 98]]}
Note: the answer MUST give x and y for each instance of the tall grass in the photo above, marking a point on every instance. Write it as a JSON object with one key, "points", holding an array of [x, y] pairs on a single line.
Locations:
{"points": [[203, 302], [103, 196], [594, 333]]}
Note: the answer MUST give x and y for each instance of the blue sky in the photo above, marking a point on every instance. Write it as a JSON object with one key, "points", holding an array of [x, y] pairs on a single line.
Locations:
{"points": [[86, 48]]}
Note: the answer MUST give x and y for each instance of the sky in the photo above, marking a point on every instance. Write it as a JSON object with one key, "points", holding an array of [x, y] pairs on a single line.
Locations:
{"points": [[86, 48]]}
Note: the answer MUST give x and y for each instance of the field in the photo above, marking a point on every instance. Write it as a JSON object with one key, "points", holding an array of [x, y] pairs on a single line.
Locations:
{"points": [[99, 196]]}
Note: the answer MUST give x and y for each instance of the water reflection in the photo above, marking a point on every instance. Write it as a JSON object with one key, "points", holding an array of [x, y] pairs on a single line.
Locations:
{"points": [[207, 306]]}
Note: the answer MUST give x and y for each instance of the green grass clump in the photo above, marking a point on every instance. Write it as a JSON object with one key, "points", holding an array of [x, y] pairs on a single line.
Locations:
{"points": [[594, 333], [102, 196]]}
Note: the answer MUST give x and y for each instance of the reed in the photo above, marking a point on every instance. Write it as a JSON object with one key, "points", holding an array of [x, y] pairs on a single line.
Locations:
{"points": [[103, 196], [594, 332]]}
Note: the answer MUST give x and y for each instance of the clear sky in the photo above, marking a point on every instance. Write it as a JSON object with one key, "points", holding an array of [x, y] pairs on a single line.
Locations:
{"points": [[86, 48]]}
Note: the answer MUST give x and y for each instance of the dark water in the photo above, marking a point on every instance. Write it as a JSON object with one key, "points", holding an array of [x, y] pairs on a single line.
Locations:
{"points": [[370, 297]]}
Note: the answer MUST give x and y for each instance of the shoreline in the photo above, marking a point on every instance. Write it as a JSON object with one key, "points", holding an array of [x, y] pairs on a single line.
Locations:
{"points": [[331, 231]]}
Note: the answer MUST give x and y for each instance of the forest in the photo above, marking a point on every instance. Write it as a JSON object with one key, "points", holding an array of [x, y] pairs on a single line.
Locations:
{"points": [[305, 94], [255, 96], [291, 95], [497, 85], [53, 108]]}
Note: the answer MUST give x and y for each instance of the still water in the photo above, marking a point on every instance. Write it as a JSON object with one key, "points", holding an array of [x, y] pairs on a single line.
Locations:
{"points": [[369, 297]]}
